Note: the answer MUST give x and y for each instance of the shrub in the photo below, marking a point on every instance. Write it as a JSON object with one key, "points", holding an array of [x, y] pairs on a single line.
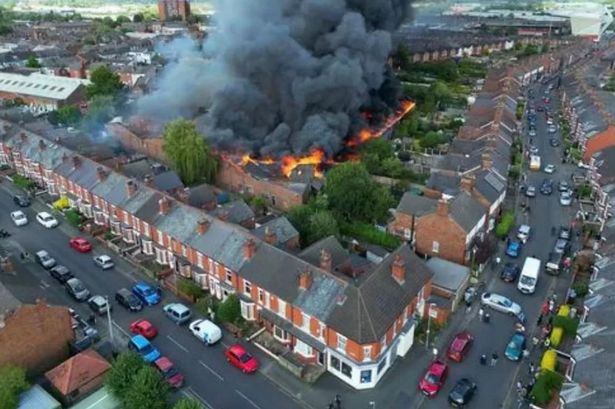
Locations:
{"points": [[556, 337], [567, 324], [23, 182], [549, 360], [563, 311], [229, 310], [189, 288], [546, 383], [581, 288], [73, 217], [505, 224], [370, 234], [12, 383]]}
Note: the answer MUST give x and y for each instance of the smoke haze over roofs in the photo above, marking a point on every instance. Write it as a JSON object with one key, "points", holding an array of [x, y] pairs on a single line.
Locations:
{"points": [[283, 76]]}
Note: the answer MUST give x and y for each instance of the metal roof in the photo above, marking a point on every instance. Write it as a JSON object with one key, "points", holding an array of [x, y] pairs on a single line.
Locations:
{"points": [[40, 85]]}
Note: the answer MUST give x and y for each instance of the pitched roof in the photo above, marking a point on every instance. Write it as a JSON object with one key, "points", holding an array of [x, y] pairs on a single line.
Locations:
{"points": [[447, 274], [281, 226], [490, 185], [416, 205], [338, 253], [167, 181], [40, 85], [444, 182], [201, 195], [466, 211], [236, 212], [77, 371]]}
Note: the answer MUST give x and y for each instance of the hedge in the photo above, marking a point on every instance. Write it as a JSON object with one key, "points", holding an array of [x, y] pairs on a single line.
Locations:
{"points": [[73, 217], [505, 224], [546, 383], [370, 234], [549, 360], [23, 182], [189, 288], [556, 336], [567, 324]]}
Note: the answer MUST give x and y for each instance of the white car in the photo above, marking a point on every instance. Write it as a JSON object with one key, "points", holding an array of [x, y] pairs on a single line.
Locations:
{"points": [[523, 233], [549, 169], [550, 121], [103, 261], [565, 198], [500, 303], [552, 129], [19, 218], [46, 220]]}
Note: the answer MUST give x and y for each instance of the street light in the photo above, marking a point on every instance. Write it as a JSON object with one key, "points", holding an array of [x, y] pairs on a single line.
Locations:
{"points": [[428, 324], [372, 404], [109, 319]]}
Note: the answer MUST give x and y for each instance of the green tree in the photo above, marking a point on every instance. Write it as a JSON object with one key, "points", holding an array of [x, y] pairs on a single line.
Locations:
{"points": [[187, 404], [401, 57], [66, 115], [354, 196], [299, 217], [432, 139], [121, 20], [189, 152], [229, 310], [441, 93], [100, 110], [322, 224], [147, 390], [119, 379], [137, 18], [32, 62], [12, 383], [104, 82]]}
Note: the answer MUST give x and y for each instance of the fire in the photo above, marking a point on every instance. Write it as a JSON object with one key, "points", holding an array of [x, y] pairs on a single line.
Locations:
{"points": [[315, 158], [245, 159], [367, 134]]}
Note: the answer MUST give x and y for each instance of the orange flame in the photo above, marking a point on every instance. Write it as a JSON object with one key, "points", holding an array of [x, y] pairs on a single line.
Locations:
{"points": [[315, 158], [367, 134], [245, 159]]}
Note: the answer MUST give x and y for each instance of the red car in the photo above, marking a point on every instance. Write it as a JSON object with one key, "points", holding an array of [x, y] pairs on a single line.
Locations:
{"points": [[460, 346], [169, 372], [239, 357], [80, 244], [433, 380], [143, 327]]}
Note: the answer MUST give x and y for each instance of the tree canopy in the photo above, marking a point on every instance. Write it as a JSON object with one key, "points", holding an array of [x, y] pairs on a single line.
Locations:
{"points": [[32, 62], [120, 376], [147, 390], [189, 152], [12, 383], [187, 404], [229, 310], [66, 115], [104, 82]]}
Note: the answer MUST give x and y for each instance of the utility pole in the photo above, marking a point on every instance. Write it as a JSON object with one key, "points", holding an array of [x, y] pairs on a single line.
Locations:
{"points": [[109, 323], [428, 325]]}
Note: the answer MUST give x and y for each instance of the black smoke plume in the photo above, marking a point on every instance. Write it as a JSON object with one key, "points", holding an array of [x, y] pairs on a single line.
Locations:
{"points": [[284, 76]]}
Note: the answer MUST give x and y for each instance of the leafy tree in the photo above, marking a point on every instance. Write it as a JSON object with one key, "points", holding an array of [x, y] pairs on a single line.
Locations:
{"points": [[121, 20], [147, 390], [401, 57], [189, 152], [32, 62], [322, 224], [229, 310], [193, 19], [299, 217], [354, 196], [258, 204], [104, 82], [137, 18], [432, 139], [441, 93], [120, 378], [12, 383], [187, 404], [66, 115]]}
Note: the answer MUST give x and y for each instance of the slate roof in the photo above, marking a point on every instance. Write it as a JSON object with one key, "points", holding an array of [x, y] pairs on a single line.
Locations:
{"points": [[490, 185], [447, 274], [444, 182], [416, 205], [201, 195], [283, 229], [137, 169], [338, 253], [459, 163], [77, 371], [236, 212], [466, 211], [167, 181]]}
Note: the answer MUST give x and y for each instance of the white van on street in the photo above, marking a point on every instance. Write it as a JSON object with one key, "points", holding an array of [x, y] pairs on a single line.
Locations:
{"points": [[206, 331], [529, 276]]}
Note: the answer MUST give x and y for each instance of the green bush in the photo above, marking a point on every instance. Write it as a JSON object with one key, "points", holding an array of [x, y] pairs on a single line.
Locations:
{"points": [[12, 383], [229, 310], [189, 287], [514, 172], [584, 190], [73, 217], [546, 384], [23, 182], [370, 234], [505, 224], [569, 325], [581, 288]]}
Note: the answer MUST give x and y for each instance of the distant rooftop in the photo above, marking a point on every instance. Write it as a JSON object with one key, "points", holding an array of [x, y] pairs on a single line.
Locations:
{"points": [[40, 85]]}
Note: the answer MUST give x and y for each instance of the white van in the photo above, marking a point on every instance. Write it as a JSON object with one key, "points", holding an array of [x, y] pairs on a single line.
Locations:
{"points": [[529, 276], [535, 162], [206, 331]]}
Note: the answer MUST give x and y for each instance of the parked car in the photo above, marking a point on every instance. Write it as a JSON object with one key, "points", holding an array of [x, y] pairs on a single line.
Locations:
{"points": [[146, 293], [549, 169], [561, 246], [44, 259], [21, 200], [515, 347], [462, 393], [554, 142], [143, 347], [61, 273], [460, 346], [523, 233], [534, 150], [76, 289], [513, 249], [103, 261], [547, 187], [81, 244], [565, 198], [563, 186], [532, 132], [206, 331], [99, 304], [552, 129], [530, 191], [565, 233], [510, 272], [169, 372], [128, 300], [240, 358], [177, 312], [434, 379], [19, 218], [500, 303], [47, 220], [144, 328]]}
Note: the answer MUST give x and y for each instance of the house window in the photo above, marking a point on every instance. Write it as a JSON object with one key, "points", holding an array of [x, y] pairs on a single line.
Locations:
{"points": [[303, 349], [247, 310], [99, 218], [305, 321], [161, 238], [247, 288], [281, 308], [115, 227], [146, 230], [126, 218], [335, 363], [261, 296], [367, 353], [346, 370], [407, 234], [184, 251], [280, 334], [321, 331], [199, 260], [87, 210], [341, 342], [382, 364], [201, 280], [435, 247], [161, 256], [229, 276], [128, 235], [366, 376], [148, 247]]}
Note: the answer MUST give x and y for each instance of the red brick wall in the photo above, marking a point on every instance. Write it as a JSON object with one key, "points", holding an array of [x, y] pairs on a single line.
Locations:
{"points": [[36, 337], [151, 147], [598, 142], [400, 223], [446, 232]]}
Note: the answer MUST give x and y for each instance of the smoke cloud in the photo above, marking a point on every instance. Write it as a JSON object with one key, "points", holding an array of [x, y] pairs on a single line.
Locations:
{"points": [[283, 76]]}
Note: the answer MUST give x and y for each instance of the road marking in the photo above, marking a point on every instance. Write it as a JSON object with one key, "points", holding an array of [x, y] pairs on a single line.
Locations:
{"points": [[216, 374], [180, 346], [224, 344], [250, 401], [44, 284], [193, 394]]}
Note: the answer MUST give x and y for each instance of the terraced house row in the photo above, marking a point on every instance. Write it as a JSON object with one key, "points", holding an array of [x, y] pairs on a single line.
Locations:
{"points": [[354, 327]]}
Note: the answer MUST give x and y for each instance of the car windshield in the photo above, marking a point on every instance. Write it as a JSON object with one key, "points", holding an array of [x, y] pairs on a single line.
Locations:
{"points": [[149, 291], [78, 287], [431, 378], [47, 218], [171, 371], [527, 280], [245, 357], [512, 345], [132, 300], [146, 349], [506, 302]]}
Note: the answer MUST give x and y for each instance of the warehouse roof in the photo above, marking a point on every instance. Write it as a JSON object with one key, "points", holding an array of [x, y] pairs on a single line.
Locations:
{"points": [[40, 85]]}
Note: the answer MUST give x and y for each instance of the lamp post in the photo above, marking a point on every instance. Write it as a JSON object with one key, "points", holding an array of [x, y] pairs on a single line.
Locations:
{"points": [[428, 324], [109, 323], [372, 404]]}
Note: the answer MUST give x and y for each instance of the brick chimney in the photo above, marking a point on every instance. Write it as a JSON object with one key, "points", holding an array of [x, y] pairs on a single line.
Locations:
{"points": [[325, 260], [467, 183], [101, 174], [486, 161], [42, 145], [164, 206], [249, 248], [64, 157], [24, 136], [398, 269], [442, 209], [270, 236], [305, 280], [202, 226], [149, 180], [131, 188], [222, 214], [76, 162]]}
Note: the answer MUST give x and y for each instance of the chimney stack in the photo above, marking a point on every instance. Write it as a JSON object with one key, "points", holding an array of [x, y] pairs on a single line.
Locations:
{"points": [[398, 269], [442, 207], [270, 236], [486, 161], [164, 206], [131, 188], [249, 248], [101, 174], [42, 145], [76, 162], [202, 226], [325, 260], [149, 180], [305, 280], [24, 136], [467, 183], [64, 157], [223, 214]]}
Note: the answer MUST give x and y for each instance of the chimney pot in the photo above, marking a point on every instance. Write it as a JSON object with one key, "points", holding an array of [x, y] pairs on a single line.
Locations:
{"points": [[223, 214], [149, 180], [398, 269], [101, 174], [42, 145], [249, 248], [305, 280], [76, 161], [467, 183], [442, 209], [486, 161], [131, 188], [202, 226], [164, 206], [325, 260], [270, 236], [24, 136]]}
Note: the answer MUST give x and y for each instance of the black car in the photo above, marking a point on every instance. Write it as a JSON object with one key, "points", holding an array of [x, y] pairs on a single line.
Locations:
{"points": [[562, 246], [554, 142], [21, 200], [565, 233], [547, 187], [61, 273], [128, 300], [462, 392], [510, 272]]}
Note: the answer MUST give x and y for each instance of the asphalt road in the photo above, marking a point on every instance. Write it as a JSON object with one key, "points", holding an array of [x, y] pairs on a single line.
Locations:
{"points": [[494, 383], [208, 376]]}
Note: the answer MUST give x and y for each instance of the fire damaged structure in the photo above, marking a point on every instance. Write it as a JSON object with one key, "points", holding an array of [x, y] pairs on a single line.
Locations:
{"points": [[352, 318]]}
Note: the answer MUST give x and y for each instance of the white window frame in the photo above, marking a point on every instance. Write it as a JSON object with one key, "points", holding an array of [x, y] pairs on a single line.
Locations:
{"points": [[367, 353], [303, 349], [305, 321], [184, 251], [199, 260], [281, 308], [87, 210], [228, 276], [247, 288], [247, 310], [435, 246], [283, 337], [342, 343], [146, 230], [147, 247], [161, 256], [126, 217], [116, 227]]}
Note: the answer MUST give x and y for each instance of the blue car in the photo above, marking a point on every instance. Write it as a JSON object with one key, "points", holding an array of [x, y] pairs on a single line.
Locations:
{"points": [[513, 249], [514, 349], [146, 293], [143, 347]]}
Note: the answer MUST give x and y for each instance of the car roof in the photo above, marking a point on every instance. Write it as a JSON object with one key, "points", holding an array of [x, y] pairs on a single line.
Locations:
{"points": [[460, 340], [104, 257], [163, 363], [124, 292], [44, 214], [142, 285], [16, 212], [140, 341], [524, 228], [98, 299], [179, 307], [60, 268], [437, 368], [237, 349], [518, 337], [73, 280], [79, 238], [42, 252]]}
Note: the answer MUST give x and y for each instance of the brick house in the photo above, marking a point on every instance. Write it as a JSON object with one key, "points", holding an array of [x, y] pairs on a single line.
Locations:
{"points": [[35, 337], [135, 137], [599, 142], [324, 318], [42, 91]]}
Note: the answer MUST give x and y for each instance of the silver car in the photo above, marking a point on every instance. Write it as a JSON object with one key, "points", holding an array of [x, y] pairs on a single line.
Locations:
{"points": [[177, 312], [500, 303], [76, 289], [44, 259]]}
